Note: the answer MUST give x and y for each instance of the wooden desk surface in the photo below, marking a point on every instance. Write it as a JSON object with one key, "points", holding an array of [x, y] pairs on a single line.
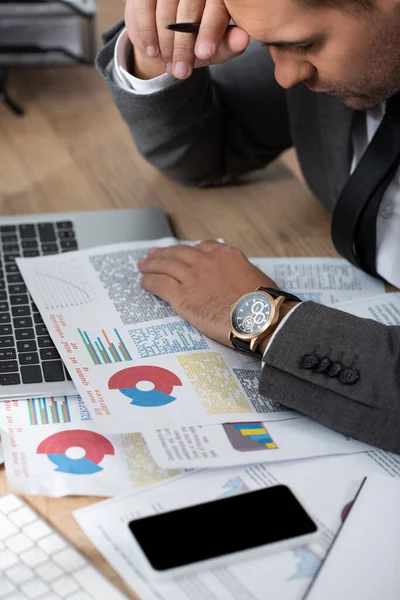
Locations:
{"points": [[72, 152]]}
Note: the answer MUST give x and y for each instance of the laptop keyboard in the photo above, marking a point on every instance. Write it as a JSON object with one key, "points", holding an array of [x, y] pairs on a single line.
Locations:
{"points": [[27, 353], [38, 564]]}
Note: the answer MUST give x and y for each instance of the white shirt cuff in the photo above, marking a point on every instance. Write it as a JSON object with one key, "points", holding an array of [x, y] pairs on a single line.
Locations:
{"points": [[142, 87], [281, 324]]}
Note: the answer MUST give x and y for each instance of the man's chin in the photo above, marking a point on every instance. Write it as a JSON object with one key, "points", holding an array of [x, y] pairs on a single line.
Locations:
{"points": [[359, 102]]}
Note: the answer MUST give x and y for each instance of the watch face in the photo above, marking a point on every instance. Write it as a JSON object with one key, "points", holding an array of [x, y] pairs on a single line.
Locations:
{"points": [[251, 313]]}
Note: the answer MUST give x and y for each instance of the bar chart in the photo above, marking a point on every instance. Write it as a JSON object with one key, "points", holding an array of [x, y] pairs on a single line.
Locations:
{"points": [[104, 348], [49, 411]]}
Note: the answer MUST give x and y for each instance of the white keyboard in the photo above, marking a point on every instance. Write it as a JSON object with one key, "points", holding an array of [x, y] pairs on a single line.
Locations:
{"points": [[36, 563]]}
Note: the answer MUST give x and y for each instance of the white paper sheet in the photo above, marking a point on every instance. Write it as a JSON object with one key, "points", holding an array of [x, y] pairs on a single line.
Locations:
{"points": [[384, 308], [71, 457], [246, 443], [321, 279], [325, 486], [364, 559], [1, 453], [136, 364]]}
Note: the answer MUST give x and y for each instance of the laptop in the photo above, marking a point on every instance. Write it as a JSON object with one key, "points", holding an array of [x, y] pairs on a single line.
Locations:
{"points": [[30, 366]]}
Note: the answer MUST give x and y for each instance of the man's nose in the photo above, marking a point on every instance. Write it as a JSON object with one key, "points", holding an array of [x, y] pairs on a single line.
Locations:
{"points": [[289, 71]]}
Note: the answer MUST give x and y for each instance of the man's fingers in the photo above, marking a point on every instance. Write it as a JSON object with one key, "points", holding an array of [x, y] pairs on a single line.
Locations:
{"points": [[209, 246], [143, 14], [175, 269], [186, 254], [234, 43], [160, 285], [184, 43], [213, 27], [165, 15]]}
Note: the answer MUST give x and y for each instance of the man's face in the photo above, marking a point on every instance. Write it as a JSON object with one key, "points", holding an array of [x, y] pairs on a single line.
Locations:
{"points": [[355, 57]]}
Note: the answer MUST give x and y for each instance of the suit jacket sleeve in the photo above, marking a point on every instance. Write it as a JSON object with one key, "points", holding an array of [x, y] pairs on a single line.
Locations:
{"points": [[219, 124], [368, 409]]}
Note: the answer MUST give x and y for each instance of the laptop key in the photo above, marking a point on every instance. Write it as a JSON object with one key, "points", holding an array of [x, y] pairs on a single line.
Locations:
{"points": [[53, 371], [45, 341], [17, 288], [27, 231], [11, 249], [9, 238], [24, 334], [22, 322], [21, 311], [6, 329], [7, 342], [30, 358], [49, 248], [2, 284], [41, 330], [65, 225], [8, 229], [12, 268], [3, 295], [66, 234], [28, 346], [46, 232], [5, 318], [4, 307], [19, 299], [30, 253], [31, 374], [49, 354], [9, 354], [14, 278], [10, 379], [37, 317], [30, 244], [67, 245], [10, 366]]}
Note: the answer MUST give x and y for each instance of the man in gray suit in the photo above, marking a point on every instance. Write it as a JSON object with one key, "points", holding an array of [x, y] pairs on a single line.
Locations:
{"points": [[208, 126]]}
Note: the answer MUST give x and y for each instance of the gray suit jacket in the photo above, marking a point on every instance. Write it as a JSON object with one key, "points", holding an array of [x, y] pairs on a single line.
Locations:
{"points": [[227, 121]]}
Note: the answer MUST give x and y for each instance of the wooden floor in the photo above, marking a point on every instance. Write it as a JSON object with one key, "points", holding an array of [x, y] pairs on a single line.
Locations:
{"points": [[72, 152]]}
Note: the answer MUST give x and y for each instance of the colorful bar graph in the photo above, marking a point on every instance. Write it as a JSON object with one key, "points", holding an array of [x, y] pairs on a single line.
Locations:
{"points": [[257, 433], [103, 350], [49, 411]]}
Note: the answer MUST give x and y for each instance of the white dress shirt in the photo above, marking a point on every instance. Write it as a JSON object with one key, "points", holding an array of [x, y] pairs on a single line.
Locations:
{"points": [[388, 222]]}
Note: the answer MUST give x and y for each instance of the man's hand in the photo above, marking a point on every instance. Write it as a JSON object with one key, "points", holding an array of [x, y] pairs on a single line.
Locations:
{"points": [[202, 283], [158, 50]]}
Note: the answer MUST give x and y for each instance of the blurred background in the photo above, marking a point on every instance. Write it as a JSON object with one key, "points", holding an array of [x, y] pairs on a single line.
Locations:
{"points": [[72, 151]]}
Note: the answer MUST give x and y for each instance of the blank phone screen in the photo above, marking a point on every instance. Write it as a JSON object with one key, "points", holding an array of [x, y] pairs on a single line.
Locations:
{"points": [[205, 531]]}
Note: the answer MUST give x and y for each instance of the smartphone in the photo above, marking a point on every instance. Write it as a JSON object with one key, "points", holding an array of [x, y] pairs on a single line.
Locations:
{"points": [[229, 529]]}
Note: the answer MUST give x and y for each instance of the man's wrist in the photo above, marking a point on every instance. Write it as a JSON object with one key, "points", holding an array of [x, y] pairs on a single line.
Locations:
{"points": [[285, 309]]}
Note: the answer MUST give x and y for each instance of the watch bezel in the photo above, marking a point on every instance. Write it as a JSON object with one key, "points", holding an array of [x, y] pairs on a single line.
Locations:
{"points": [[270, 321]]}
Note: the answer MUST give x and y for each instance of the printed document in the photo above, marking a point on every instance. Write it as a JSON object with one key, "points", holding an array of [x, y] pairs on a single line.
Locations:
{"points": [[135, 363], [246, 443], [52, 448], [325, 486], [363, 561], [320, 279]]}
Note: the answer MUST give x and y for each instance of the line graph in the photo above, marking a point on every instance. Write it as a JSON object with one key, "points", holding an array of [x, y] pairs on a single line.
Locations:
{"points": [[64, 286]]}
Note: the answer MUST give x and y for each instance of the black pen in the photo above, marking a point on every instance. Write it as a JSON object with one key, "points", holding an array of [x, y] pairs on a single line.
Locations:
{"points": [[188, 27]]}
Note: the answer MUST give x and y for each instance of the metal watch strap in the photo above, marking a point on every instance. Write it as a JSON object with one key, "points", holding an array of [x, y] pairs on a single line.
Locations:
{"points": [[244, 345]]}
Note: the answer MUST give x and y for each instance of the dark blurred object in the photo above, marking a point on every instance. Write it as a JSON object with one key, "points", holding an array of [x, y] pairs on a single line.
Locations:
{"points": [[4, 96], [45, 33]]}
